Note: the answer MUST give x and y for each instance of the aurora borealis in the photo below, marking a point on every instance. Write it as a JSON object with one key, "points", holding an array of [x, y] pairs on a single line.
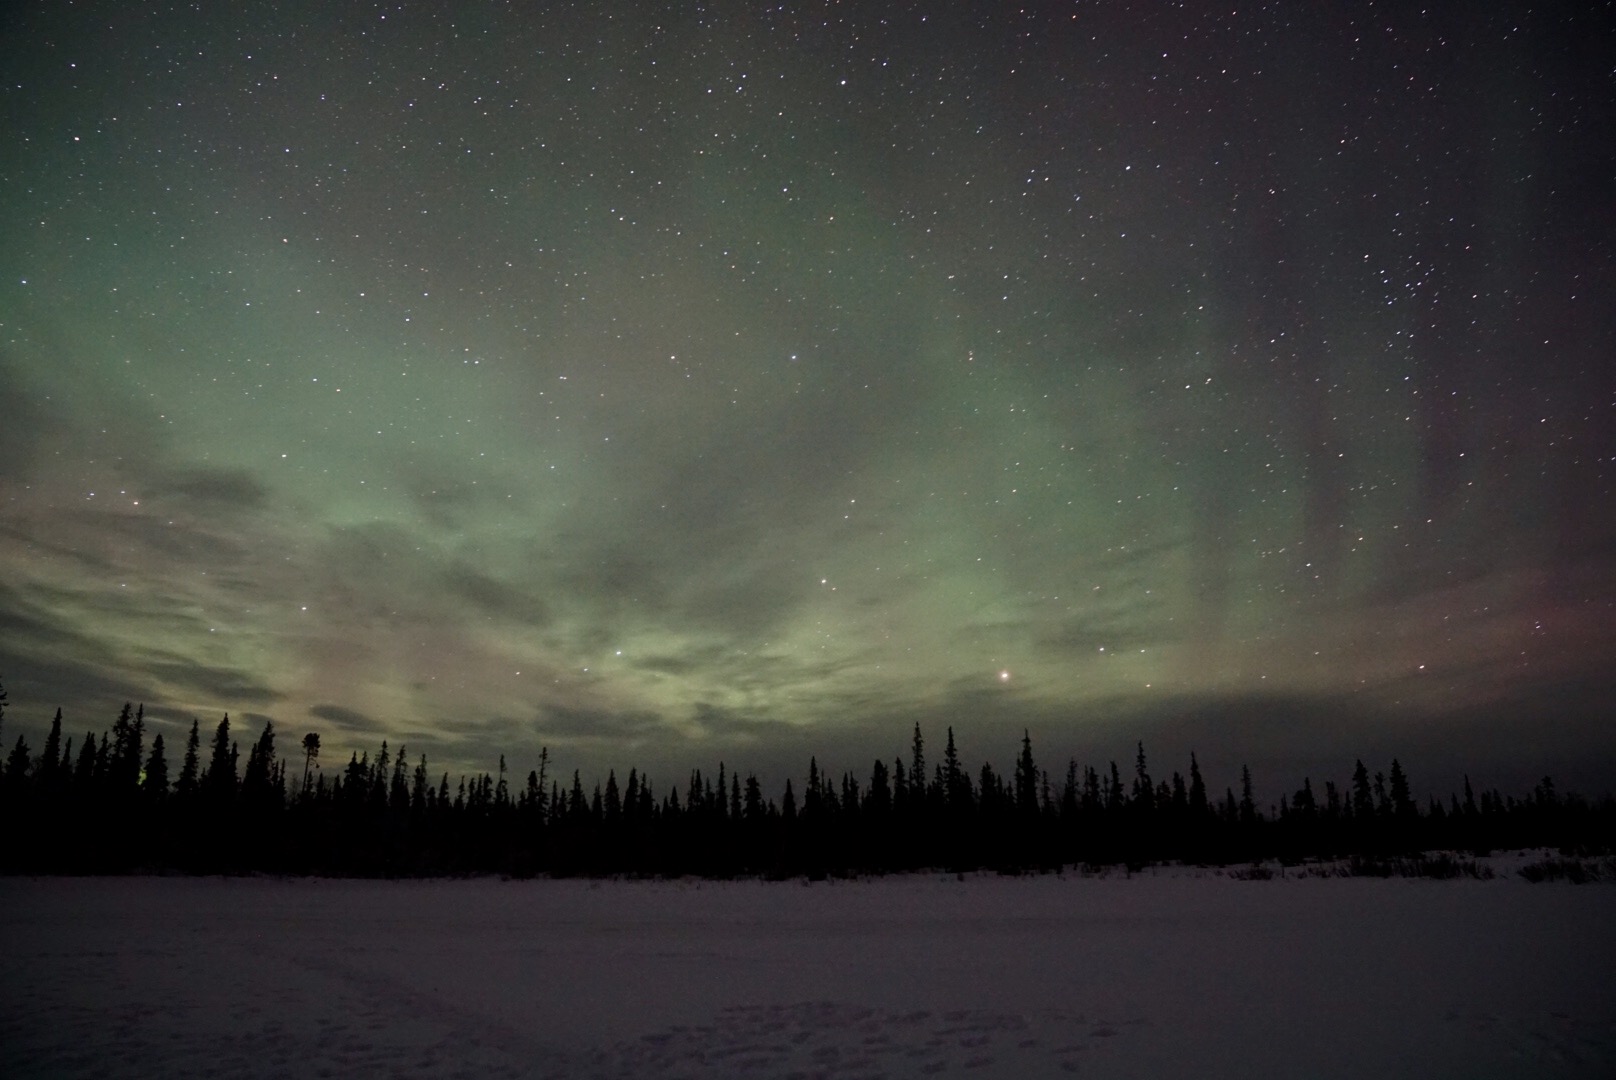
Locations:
{"points": [[669, 383]]}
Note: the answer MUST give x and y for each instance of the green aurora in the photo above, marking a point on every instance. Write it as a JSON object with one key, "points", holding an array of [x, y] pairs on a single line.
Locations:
{"points": [[668, 385]]}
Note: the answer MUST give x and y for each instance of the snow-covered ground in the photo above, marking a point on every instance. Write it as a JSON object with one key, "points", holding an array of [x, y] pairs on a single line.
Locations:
{"points": [[1163, 975]]}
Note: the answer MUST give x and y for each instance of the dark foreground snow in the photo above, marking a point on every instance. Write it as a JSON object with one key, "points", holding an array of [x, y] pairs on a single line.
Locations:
{"points": [[1154, 976]]}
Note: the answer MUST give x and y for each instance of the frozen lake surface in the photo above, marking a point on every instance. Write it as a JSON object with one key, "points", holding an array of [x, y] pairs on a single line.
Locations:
{"points": [[1174, 974]]}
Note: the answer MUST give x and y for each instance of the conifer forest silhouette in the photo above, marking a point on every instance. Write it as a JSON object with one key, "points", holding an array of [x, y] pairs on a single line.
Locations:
{"points": [[112, 803]]}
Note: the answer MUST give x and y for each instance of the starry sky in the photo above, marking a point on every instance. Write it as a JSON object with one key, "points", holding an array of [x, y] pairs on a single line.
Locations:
{"points": [[672, 383]]}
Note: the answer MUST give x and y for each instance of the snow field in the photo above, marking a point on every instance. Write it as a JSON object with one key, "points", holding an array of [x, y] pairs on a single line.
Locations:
{"points": [[1158, 975]]}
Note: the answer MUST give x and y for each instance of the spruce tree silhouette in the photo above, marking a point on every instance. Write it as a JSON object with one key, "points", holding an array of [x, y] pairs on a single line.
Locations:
{"points": [[311, 753], [219, 783], [543, 808], [1115, 799], [878, 801], [1144, 795], [577, 810], [1363, 801], [154, 785], [421, 787], [185, 787], [631, 798], [752, 808], [376, 780], [1198, 803], [1026, 779], [1179, 797], [1403, 808], [812, 800], [84, 770], [954, 780], [917, 771], [257, 790], [18, 764], [398, 790], [123, 763], [386, 818], [50, 764]]}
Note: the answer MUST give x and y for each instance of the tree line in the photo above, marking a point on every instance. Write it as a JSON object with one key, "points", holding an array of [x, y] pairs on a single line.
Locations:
{"points": [[112, 804]]}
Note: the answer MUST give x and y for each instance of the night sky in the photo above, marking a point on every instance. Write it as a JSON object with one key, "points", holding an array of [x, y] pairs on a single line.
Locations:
{"points": [[668, 384]]}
